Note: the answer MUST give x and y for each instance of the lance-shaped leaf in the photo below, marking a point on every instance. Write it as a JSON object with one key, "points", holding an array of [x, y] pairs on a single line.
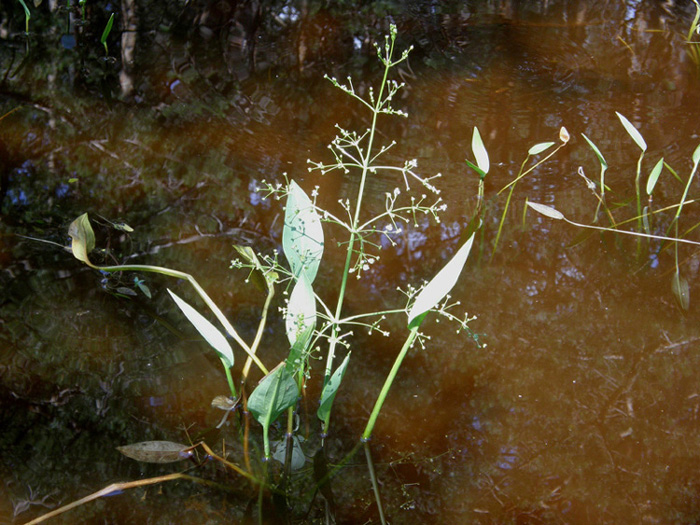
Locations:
{"points": [[302, 236], [440, 285], [632, 132], [681, 290], [208, 331], [301, 311], [539, 148], [276, 393], [654, 176], [156, 451], [330, 390], [83, 238], [546, 210], [482, 157]]}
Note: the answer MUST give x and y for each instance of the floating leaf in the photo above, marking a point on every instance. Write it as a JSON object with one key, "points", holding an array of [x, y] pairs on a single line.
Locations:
{"points": [[302, 235], [298, 457], [681, 290], [654, 176], [156, 451], [632, 131], [546, 210], [83, 238], [208, 331], [482, 157], [329, 391], [539, 148], [301, 310], [440, 285]]}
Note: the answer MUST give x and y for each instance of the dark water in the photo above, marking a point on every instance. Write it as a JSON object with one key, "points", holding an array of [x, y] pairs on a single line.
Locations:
{"points": [[583, 405]]}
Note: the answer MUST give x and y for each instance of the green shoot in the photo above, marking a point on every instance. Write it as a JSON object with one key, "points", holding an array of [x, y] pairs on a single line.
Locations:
{"points": [[106, 32]]}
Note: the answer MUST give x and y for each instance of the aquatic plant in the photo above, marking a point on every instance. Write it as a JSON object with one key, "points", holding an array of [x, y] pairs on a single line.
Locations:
{"points": [[312, 326]]}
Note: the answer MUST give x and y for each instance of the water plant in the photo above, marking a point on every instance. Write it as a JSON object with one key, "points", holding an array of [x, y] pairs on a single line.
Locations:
{"points": [[314, 327]]}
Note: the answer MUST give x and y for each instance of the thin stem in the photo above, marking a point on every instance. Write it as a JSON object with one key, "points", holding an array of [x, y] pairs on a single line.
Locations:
{"points": [[375, 484]]}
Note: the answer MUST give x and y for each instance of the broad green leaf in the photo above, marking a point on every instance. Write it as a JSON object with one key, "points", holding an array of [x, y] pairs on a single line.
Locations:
{"points": [[298, 457], [329, 391], [440, 285], [681, 290], [83, 238], [276, 393], [301, 310], [546, 210], [482, 157], [208, 331], [539, 148], [654, 176], [597, 152], [632, 131], [696, 155], [302, 236], [156, 451]]}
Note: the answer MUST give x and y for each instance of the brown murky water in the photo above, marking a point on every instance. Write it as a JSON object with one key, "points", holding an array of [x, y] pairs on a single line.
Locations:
{"points": [[583, 405]]}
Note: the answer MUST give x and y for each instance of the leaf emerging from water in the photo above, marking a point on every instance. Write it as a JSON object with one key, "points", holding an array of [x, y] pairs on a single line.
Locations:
{"points": [[329, 391], [482, 157], [654, 176], [440, 285], [156, 451], [632, 132]]}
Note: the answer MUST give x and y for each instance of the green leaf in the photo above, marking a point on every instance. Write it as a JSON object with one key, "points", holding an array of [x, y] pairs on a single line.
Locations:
{"points": [[482, 157], [208, 331], [107, 30], [476, 168], [83, 238], [262, 281], [632, 131], [546, 210], [681, 290], [440, 285], [597, 152], [696, 155], [302, 236], [301, 311], [539, 148], [329, 391], [654, 176], [156, 451], [274, 394]]}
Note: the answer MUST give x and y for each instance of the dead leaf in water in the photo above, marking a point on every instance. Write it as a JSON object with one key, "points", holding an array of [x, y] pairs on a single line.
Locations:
{"points": [[156, 451]]}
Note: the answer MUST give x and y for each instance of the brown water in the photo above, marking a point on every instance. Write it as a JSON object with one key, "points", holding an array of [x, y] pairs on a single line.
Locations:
{"points": [[583, 405]]}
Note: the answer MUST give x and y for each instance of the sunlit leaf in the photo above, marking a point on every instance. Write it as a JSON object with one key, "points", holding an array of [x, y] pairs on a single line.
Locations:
{"points": [[440, 285], [329, 391], [632, 131], [482, 157], [208, 331], [546, 210], [302, 235], [696, 155], [298, 457], [654, 176], [539, 148], [156, 451], [301, 310], [681, 290], [476, 168], [564, 135], [597, 152], [83, 238]]}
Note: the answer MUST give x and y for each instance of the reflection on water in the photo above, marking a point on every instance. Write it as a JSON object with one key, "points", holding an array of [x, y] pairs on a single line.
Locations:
{"points": [[581, 408]]}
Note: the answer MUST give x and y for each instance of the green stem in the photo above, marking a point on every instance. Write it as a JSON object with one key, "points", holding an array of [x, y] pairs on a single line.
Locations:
{"points": [[229, 379], [375, 484], [356, 219], [387, 384]]}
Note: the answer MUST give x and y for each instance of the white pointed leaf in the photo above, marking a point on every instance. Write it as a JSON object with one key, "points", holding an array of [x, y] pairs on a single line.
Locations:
{"points": [[482, 157], [546, 210], [440, 285], [302, 235], [633, 132], [208, 331], [539, 148], [301, 311]]}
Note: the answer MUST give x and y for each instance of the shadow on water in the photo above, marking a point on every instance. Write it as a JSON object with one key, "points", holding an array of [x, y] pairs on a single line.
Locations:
{"points": [[582, 407]]}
